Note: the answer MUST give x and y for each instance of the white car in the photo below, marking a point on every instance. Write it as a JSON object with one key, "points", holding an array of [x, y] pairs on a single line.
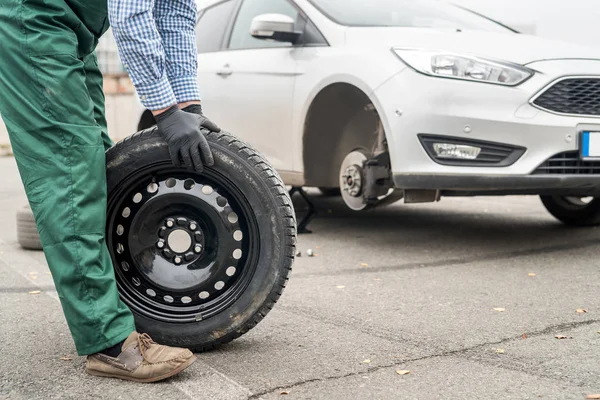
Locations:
{"points": [[413, 99]]}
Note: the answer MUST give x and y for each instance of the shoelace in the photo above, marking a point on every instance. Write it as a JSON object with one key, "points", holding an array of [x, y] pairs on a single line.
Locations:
{"points": [[144, 343]]}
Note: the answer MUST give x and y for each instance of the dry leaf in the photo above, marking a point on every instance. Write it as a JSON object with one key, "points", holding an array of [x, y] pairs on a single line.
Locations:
{"points": [[531, 274], [367, 361], [500, 351], [402, 372], [299, 254], [317, 247], [580, 311], [499, 309], [284, 392], [561, 337], [524, 336], [377, 279], [364, 264], [340, 286], [35, 292], [593, 396], [66, 358]]}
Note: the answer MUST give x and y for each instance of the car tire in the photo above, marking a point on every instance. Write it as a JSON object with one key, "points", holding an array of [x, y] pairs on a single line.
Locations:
{"points": [[573, 211], [263, 203], [27, 233], [330, 191]]}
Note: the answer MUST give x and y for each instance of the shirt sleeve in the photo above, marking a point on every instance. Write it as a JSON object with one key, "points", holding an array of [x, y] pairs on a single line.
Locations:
{"points": [[176, 21], [141, 51]]}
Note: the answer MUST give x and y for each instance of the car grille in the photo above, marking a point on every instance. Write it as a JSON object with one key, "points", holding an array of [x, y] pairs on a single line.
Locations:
{"points": [[572, 96], [568, 163]]}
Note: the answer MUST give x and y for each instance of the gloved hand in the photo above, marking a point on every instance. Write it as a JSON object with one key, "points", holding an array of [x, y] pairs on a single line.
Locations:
{"points": [[186, 142], [206, 123]]}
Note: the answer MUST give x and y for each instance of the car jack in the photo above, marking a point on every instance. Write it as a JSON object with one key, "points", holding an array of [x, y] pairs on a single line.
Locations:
{"points": [[310, 209]]}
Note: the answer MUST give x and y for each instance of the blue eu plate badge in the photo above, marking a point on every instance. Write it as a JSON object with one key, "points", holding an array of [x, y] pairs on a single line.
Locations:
{"points": [[590, 145]]}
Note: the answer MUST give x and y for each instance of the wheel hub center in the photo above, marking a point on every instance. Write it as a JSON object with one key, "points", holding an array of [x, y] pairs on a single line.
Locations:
{"points": [[353, 181], [179, 241]]}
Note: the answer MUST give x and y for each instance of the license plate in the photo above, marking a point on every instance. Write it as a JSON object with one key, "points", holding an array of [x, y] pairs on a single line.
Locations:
{"points": [[590, 145]]}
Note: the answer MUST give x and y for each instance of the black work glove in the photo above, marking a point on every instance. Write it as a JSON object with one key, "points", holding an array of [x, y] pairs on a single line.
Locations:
{"points": [[186, 142], [206, 123]]}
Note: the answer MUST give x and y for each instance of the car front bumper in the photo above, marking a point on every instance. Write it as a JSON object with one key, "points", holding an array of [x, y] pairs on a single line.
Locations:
{"points": [[413, 104]]}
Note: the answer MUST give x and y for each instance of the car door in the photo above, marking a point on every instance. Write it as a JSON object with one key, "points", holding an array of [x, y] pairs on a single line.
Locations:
{"points": [[249, 87]]}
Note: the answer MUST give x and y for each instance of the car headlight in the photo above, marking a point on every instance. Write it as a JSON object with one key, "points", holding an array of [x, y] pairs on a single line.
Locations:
{"points": [[465, 67]]}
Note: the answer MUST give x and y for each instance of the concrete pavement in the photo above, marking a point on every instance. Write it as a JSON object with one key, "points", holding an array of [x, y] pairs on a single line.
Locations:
{"points": [[407, 287]]}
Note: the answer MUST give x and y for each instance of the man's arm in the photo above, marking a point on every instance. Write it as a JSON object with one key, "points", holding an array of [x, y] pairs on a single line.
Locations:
{"points": [[176, 21], [142, 52]]}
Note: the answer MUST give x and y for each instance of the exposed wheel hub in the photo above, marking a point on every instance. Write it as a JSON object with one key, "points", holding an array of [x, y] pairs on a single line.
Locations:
{"points": [[352, 180]]}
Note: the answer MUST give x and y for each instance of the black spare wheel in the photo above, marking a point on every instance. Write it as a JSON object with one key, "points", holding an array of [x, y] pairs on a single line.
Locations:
{"points": [[200, 258]]}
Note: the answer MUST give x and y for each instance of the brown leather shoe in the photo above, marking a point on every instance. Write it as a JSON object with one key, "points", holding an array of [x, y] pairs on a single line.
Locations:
{"points": [[141, 360]]}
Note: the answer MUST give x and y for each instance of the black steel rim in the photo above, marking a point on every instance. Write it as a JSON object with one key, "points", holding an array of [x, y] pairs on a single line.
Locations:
{"points": [[184, 245]]}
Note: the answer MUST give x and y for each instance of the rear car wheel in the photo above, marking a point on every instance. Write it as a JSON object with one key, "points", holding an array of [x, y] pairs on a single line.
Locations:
{"points": [[200, 259], [574, 211]]}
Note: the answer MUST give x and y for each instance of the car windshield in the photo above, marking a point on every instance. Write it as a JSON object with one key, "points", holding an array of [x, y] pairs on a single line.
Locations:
{"points": [[405, 13]]}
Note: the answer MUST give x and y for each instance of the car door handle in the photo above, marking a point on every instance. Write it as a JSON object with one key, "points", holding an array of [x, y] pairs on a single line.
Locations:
{"points": [[225, 72]]}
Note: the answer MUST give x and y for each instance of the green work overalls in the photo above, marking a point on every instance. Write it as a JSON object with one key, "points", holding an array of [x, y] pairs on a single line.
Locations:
{"points": [[52, 102]]}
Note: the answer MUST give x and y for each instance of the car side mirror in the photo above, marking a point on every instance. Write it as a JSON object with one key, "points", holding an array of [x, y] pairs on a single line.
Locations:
{"points": [[276, 27]]}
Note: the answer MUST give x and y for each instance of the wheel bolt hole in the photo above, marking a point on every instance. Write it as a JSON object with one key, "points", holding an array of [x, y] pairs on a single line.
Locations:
{"points": [[186, 300], [150, 292], [120, 248], [189, 184], [120, 230], [170, 183], [219, 285], [238, 235], [230, 271], [237, 254], [137, 198], [204, 295], [207, 189], [168, 299], [126, 212], [232, 218], [125, 266], [152, 188], [136, 281]]}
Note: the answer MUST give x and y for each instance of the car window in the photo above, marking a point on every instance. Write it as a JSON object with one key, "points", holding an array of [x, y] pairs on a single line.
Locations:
{"points": [[405, 13], [240, 36], [212, 25]]}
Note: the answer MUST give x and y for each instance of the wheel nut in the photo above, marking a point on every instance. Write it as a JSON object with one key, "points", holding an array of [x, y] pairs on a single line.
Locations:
{"points": [[160, 244], [177, 260], [198, 248], [193, 226]]}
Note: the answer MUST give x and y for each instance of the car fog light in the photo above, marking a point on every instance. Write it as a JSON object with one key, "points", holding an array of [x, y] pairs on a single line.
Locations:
{"points": [[460, 151]]}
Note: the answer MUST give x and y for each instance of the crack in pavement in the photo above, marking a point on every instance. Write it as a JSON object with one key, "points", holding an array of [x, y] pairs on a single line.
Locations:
{"points": [[556, 248], [459, 352]]}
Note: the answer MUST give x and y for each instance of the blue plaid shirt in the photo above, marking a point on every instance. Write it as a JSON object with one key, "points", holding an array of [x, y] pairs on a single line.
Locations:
{"points": [[157, 45]]}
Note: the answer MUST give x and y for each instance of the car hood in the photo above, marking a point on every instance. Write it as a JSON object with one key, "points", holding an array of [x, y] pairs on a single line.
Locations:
{"points": [[518, 48]]}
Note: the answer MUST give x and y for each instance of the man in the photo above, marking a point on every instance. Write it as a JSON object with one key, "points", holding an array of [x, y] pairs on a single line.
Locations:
{"points": [[52, 102]]}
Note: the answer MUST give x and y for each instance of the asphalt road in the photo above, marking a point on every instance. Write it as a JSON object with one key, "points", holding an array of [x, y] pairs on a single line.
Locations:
{"points": [[441, 290]]}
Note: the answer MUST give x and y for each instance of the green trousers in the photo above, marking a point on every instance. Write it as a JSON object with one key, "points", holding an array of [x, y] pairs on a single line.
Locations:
{"points": [[52, 103]]}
